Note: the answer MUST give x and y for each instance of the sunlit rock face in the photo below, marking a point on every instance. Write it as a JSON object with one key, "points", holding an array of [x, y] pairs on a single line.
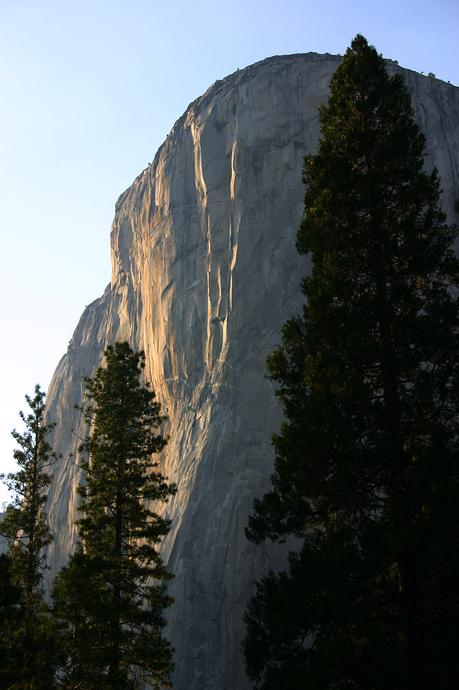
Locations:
{"points": [[205, 273]]}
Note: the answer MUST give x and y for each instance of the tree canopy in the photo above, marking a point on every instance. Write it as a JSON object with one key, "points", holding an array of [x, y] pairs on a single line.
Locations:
{"points": [[28, 636], [111, 597], [366, 469]]}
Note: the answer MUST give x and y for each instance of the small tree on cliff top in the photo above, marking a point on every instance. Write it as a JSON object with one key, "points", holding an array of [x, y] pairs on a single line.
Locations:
{"points": [[111, 596], [367, 467]]}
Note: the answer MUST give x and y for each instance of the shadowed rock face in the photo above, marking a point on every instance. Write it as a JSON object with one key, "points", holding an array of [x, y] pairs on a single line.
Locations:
{"points": [[205, 273]]}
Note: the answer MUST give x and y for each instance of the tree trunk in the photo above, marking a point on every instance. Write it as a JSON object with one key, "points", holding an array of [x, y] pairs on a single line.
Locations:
{"points": [[404, 554], [114, 668]]}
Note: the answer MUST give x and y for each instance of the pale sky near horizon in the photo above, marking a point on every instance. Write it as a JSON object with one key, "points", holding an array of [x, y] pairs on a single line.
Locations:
{"points": [[90, 89]]}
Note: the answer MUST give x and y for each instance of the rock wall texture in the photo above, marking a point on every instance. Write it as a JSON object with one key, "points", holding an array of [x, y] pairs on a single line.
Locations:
{"points": [[205, 273]]}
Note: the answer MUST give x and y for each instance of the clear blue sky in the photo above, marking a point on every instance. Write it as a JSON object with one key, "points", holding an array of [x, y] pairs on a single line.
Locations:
{"points": [[90, 88]]}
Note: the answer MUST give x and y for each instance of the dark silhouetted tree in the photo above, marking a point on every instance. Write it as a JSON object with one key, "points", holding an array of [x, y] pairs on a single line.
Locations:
{"points": [[111, 597], [32, 638], [11, 623], [366, 469]]}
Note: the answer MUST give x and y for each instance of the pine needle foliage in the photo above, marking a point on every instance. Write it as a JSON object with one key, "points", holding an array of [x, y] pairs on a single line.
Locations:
{"points": [[11, 623], [29, 635], [111, 597], [367, 468]]}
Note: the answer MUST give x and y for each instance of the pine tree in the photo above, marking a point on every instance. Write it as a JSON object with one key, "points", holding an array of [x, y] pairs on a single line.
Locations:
{"points": [[11, 620], [31, 640], [111, 597], [366, 469]]}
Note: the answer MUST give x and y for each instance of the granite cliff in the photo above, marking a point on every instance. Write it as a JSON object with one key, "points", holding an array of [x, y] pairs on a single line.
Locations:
{"points": [[205, 273]]}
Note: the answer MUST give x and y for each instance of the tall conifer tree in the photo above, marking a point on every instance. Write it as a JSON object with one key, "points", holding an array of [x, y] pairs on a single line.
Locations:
{"points": [[111, 597], [11, 623], [367, 467], [29, 634]]}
